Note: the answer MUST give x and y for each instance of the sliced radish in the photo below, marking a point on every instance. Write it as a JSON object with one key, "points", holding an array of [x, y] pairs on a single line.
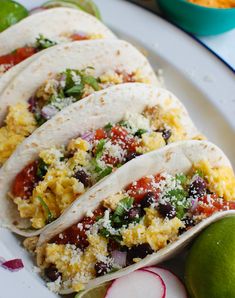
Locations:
{"points": [[13, 265], [137, 284], [174, 286]]}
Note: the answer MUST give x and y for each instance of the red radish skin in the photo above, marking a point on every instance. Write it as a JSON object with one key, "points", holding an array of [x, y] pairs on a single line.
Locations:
{"points": [[13, 265], [174, 286], [137, 284]]}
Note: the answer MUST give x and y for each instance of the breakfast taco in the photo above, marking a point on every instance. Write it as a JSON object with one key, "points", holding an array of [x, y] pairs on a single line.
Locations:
{"points": [[46, 29], [81, 145], [61, 76], [139, 216]]}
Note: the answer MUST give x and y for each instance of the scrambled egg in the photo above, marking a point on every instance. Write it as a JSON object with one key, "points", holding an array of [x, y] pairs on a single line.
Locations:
{"points": [[153, 230], [112, 201], [152, 141], [114, 78], [74, 264], [221, 180], [172, 119], [58, 189], [19, 124]]}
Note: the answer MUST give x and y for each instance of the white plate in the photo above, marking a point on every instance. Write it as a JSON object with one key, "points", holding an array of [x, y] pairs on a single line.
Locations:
{"points": [[196, 76]]}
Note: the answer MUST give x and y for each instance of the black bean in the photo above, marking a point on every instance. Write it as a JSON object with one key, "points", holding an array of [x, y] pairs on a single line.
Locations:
{"points": [[133, 214], [148, 200], [197, 187], [188, 222], [138, 251], [166, 210], [83, 177], [166, 134], [132, 155], [52, 273], [101, 268]]}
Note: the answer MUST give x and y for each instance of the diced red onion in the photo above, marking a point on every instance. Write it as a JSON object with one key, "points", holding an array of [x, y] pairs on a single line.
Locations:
{"points": [[48, 111], [32, 104], [119, 257], [88, 136], [13, 265], [194, 204]]}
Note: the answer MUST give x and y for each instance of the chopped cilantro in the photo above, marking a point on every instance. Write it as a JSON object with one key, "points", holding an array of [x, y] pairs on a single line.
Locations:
{"points": [[123, 206], [123, 123], [100, 148], [50, 217], [43, 43], [75, 90], [108, 127], [92, 81], [105, 233], [183, 179], [105, 172], [42, 169], [140, 132]]}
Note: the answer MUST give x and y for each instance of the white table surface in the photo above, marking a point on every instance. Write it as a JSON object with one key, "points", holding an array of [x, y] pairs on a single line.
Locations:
{"points": [[223, 44]]}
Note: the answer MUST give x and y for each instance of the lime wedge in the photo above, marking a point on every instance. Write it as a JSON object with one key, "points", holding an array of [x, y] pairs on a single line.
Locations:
{"points": [[11, 13], [86, 5], [98, 292]]}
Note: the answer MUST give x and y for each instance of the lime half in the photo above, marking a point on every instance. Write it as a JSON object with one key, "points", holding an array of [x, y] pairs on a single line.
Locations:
{"points": [[11, 13], [98, 292], [210, 265], [86, 5]]}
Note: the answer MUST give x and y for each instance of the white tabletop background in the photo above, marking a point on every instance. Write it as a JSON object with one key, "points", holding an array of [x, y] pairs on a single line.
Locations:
{"points": [[222, 44]]}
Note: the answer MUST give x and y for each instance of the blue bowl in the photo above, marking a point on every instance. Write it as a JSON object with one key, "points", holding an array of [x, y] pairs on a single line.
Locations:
{"points": [[198, 19]]}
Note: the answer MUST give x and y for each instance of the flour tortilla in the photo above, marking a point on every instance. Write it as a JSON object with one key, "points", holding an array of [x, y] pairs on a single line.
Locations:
{"points": [[53, 24], [102, 55], [175, 158], [91, 113]]}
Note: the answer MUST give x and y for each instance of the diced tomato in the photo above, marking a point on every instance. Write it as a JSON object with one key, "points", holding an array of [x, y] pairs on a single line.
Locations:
{"points": [[111, 160], [79, 36], [25, 181], [17, 56], [76, 234], [100, 134], [138, 189], [208, 205], [120, 136]]}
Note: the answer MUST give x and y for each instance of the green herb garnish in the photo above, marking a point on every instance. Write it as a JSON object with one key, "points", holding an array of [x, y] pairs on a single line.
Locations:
{"points": [[140, 132], [91, 81], [43, 43], [100, 148], [105, 172], [123, 206], [50, 217], [108, 127], [42, 169], [183, 179]]}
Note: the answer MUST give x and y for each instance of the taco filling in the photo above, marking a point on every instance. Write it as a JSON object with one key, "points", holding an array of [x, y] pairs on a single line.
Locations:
{"points": [[139, 220], [48, 185], [50, 98], [41, 43]]}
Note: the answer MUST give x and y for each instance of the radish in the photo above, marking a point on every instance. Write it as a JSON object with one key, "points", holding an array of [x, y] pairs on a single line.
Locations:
{"points": [[137, 284], [174, 286]]}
